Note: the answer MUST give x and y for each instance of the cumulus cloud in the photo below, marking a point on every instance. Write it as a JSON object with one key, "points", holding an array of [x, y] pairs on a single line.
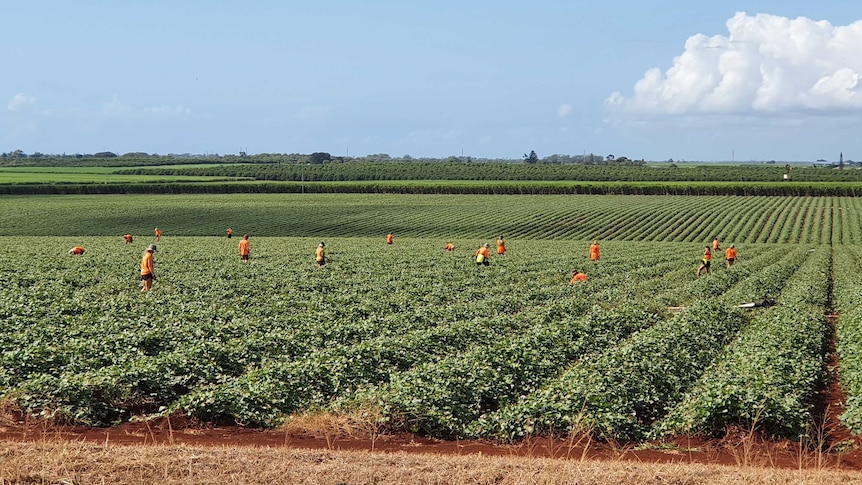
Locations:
{"points": [[765, 64], [564, 110], [19, 101]]}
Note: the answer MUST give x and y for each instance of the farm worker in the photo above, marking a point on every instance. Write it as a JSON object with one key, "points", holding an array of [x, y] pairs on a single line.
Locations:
{"points": [[483, 254], [320, 254], [501, 246], [229, 232], [158, 234], [730, 255], [389, 238], [128, 238], [77, 250], [594, 251], [704, 264], [577, 276], [450, 247], [148, 268], [715, 245], [244, 248]]}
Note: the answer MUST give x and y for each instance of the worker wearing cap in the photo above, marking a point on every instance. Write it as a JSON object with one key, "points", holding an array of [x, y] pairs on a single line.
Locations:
{"points": [[482, 255], [577, 276], [730, 255], [77, 251], [148, 268], [320, 254]]}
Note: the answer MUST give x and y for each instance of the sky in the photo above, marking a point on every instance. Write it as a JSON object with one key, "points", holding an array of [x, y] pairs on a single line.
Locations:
{"points": [[655, 80]]}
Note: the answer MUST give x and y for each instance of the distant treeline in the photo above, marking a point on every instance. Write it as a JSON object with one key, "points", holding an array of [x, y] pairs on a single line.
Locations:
{"points": [[372, 171], [430, 187]]}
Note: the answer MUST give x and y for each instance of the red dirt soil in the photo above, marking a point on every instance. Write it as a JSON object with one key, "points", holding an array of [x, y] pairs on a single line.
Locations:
{"points": [[834, 447], [738, 448]]}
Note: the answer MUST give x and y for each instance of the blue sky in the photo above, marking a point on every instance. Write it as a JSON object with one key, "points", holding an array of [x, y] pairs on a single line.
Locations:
{"points": [[754, 80]]}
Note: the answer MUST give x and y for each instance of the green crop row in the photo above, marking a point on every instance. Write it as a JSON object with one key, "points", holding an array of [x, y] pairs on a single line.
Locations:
{"points": [[847, 295], [767, 378], [621, 392], [740, 220]]}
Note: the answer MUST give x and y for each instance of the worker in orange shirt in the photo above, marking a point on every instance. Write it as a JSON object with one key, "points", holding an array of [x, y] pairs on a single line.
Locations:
{"points": [[501, 246], [158, 234], [77, 251], [128, 238], [483, 254], [704, 264], [594, 251], [715, 245], [389, 239], [450, 247], [229, 232], [148, 268], [730, 255], [577, 276], [244, 248]]}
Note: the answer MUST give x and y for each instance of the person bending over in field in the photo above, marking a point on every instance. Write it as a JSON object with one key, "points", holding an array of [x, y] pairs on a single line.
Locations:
{"points": [[389, 239], [244, 248], [148, 268], [450, 247], [320, 254], [594, 251], [730, 255], [128, 238], [482, 255], [501, 246], [704, 263], [77, 251], [577, 277]]}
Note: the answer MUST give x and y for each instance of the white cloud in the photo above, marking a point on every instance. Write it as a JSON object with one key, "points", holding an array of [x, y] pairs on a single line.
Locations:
{"points": [[115, 107], [564, 110], [19, 101], [168, 111], [765, 64]]}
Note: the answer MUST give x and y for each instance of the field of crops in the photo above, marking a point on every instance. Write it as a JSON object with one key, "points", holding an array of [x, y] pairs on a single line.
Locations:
{"points": [[436, 344], [794, 220], [425, 338]]}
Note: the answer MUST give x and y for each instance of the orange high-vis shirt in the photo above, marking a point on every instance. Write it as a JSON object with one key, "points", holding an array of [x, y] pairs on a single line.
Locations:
{"points": [[715, 244], [484, 252], [707, 255], [501, 246], [594, 252], [320, 253], [147, 264], [389, 238], [578, 277], [77, 250], [450, 247], [730, 253], [244, 247]]}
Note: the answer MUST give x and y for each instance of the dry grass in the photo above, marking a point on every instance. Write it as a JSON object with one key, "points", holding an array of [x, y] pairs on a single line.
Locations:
{"points": [[82, 463]]}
